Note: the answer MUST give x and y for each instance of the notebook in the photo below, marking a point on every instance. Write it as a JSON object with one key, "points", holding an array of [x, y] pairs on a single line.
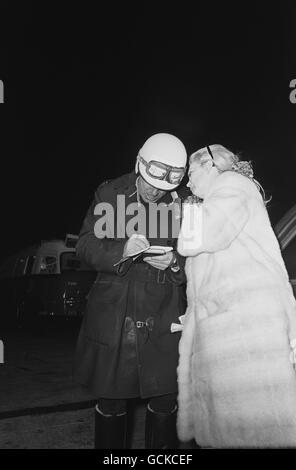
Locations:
{"points": [[154, 250]]}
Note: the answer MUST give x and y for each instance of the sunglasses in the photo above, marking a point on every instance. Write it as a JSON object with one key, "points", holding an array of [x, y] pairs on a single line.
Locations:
{"points": [[161, 171], [211, 155]]}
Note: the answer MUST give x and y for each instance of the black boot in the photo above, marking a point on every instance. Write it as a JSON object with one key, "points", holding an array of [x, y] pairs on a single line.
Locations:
{"points": [[160, 430], [110, 430]]}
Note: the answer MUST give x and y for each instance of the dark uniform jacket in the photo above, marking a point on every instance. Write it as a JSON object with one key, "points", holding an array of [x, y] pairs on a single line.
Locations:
{"points": [[125, 347]]}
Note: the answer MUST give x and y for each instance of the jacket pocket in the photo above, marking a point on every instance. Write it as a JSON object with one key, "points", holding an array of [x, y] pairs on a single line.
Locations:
{"points": [[105, 312]]}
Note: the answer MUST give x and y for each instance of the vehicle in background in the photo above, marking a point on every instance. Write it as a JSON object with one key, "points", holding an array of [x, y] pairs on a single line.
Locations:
{"points": [[46, 280]]}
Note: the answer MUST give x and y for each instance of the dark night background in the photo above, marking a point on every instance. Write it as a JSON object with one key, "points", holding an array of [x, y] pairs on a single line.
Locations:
{"points": [[86, 86]]}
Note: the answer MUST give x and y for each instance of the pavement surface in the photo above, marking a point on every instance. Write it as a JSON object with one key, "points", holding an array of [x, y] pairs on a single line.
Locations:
{"points": [[41, 406]]}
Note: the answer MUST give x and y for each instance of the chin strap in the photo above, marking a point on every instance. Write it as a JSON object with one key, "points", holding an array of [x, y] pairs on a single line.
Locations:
{"points": [[174, 194], [137, 191]]}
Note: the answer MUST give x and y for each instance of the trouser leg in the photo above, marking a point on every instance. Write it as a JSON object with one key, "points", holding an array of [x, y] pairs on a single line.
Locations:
{"points": [[160, 426], [110, 424]]}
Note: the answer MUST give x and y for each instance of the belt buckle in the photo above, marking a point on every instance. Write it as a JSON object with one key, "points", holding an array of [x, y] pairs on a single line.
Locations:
{"points": [[140, 324]]}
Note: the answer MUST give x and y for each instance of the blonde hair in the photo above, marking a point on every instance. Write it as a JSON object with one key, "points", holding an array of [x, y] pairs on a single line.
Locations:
{"points": [[222, 157], [225, 160]]}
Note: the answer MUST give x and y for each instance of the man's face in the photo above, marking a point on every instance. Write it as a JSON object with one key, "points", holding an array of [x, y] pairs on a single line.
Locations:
{"points": [[148, 192]]}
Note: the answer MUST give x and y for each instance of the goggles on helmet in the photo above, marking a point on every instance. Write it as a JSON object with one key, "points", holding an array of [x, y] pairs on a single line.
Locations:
{"points": [[161, 171]]}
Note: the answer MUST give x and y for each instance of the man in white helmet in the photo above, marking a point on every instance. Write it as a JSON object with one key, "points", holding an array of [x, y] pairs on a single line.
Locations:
{"points": [[126, 347]]}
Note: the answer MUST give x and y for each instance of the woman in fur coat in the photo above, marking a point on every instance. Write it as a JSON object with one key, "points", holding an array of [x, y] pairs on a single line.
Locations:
{"points": [[236, 373]]}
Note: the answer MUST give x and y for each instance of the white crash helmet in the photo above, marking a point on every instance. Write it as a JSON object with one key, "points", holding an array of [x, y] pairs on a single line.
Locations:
{"points": [[162, 161]]}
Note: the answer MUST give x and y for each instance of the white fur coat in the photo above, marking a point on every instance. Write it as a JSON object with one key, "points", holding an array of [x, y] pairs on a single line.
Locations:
{"points": [[237, 385]]}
